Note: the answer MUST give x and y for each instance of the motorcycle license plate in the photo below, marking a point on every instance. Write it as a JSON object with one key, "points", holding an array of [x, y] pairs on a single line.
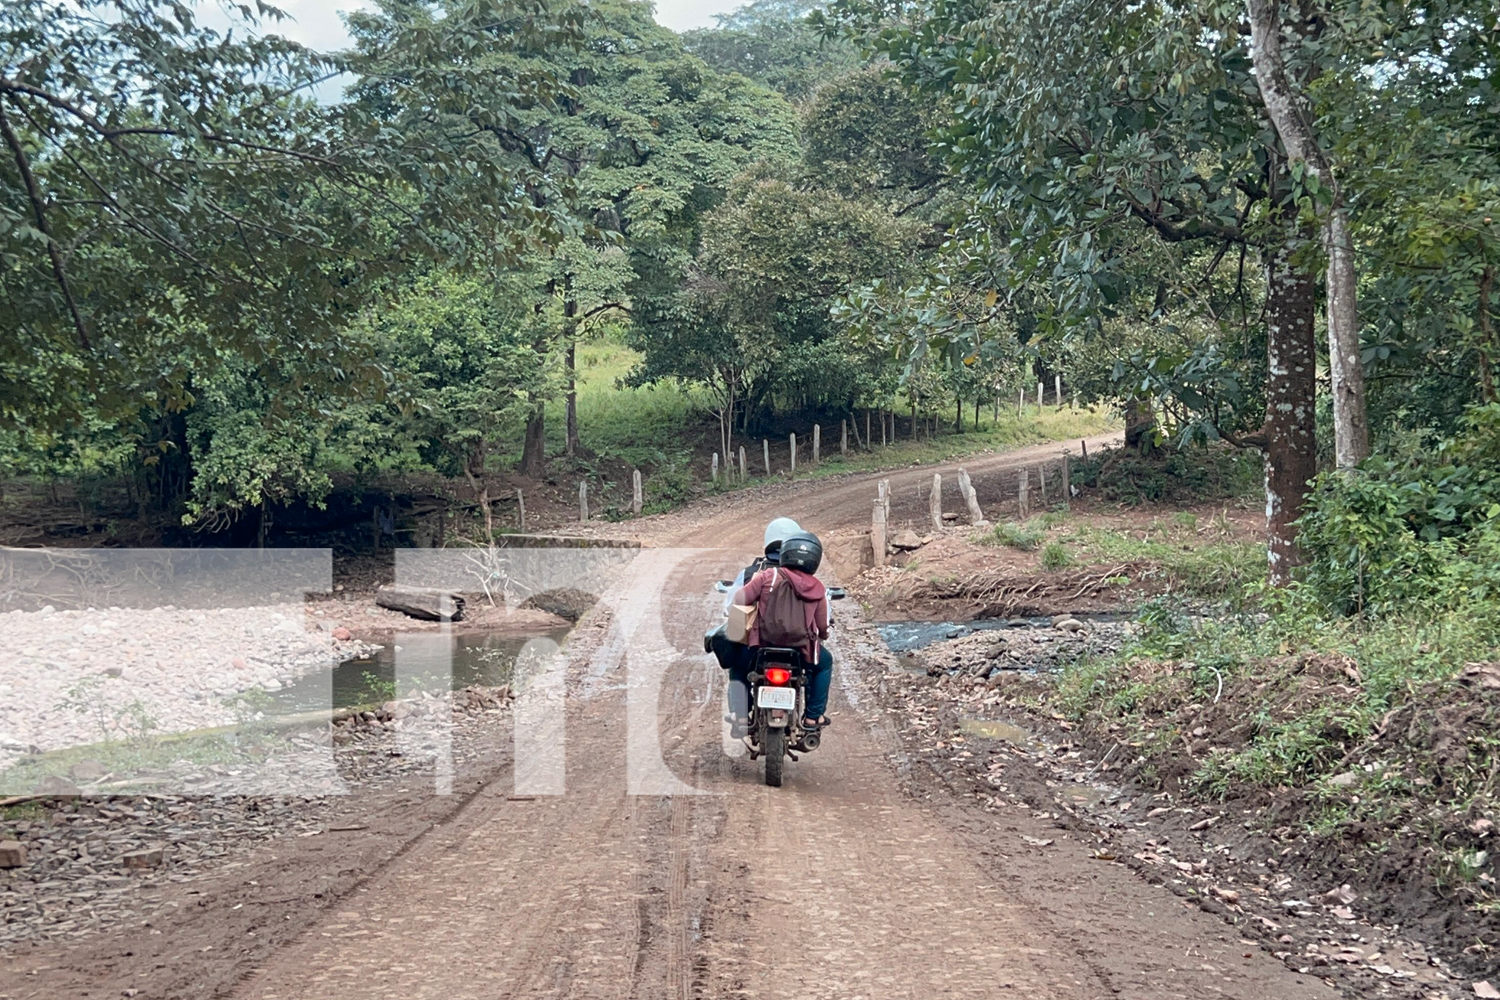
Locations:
{"points": [[771, 697]]}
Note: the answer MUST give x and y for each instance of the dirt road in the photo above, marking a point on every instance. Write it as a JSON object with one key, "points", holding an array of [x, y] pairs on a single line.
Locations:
{"points": [[861, 878]]}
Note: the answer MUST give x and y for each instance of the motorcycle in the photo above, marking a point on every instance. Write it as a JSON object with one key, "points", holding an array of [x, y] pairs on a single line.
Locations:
{"points": [[778, 703]]}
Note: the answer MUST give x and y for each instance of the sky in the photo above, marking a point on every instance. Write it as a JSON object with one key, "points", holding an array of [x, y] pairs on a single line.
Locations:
{"points": [[316, 23]]}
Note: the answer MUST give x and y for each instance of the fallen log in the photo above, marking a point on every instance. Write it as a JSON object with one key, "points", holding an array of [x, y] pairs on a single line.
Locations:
{"points": [[427, 603]]}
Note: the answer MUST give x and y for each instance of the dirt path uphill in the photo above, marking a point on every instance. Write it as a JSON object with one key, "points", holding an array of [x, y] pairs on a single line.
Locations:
{"points": [[667, 869]]}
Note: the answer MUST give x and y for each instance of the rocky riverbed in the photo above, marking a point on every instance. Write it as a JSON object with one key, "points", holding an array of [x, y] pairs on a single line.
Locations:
{"points": [[86, 676]]}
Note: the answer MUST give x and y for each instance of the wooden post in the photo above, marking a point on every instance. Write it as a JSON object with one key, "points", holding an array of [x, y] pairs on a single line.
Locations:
{"points": [[714, 473], [1057, 384], [520, 512], [1067, 480], [971, 498], [792, 451], [744, 476], [877, 533], [884, 441], [1085, 446], [583, 501], [844, 437], [765, 447], [869, 441], [1025, 501], [635, 492], [1041, 476], [893, 427], [817, 442], [935, 502]]}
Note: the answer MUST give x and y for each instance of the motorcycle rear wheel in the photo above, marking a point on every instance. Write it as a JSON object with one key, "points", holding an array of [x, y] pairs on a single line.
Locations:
{"points": [[775, 751]]}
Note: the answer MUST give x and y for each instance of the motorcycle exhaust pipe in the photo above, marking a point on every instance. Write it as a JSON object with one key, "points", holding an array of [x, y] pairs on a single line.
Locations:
{"points": [[810, 741]]}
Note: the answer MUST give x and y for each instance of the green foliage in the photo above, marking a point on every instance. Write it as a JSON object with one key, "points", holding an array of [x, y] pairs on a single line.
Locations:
{"points": [[771, 42], [1025, 537], [1191, 474], [1419, 526], [1055, 555]]}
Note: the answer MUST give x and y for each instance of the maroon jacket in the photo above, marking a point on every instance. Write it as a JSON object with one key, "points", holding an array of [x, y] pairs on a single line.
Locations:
{"points": [[809, 588]]}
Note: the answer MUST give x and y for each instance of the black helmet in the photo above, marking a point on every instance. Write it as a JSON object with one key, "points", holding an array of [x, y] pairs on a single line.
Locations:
{"points": [[802, 551]]}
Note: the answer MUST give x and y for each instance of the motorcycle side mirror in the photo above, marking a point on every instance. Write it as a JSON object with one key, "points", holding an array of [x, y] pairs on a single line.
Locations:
{"points": [[722, 586], [837, 593]]}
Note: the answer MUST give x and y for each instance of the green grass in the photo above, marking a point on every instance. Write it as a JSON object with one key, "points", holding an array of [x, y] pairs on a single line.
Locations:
{"points": [[1182, 557], [1055, 555], [1026, 537]]}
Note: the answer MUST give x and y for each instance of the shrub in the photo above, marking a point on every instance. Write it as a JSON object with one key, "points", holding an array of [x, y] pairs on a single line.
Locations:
{"points": [[1056, 556], [1025, 537], [1188, 475], [1421, 525]]}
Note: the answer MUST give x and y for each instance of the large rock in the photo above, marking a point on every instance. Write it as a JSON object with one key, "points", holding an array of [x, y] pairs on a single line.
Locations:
{"points": [[149, 858], [12, 854], [426, 603], [906, 540], [565, 602]]}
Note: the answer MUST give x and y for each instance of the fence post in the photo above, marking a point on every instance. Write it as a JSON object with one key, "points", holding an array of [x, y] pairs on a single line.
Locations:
{"points": [[883, 440], [583, 501], [635, 494], [935, 502], [1067, 480], [792, 451], [1025, 501], [966, 487], [1039, 398], [1057, 384], [1020, 403], [817, 442], [869, 441], [877, 533], [885, 494], [1041, 476], [844, 436], [520, 512], [743, 474], [714, 473], [1085, 446]]}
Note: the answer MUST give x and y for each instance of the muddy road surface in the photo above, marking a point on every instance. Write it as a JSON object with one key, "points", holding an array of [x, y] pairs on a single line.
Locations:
{"points": [[666, 868]]}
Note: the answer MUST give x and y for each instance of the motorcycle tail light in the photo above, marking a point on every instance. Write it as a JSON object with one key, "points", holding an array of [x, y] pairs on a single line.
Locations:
{"points": [[777, 676]]}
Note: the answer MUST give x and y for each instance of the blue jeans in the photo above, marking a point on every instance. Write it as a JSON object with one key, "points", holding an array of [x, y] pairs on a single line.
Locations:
{"points": [[739, 662]]}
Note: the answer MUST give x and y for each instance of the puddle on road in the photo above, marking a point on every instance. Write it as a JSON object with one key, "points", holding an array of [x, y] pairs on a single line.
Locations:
{"points": [[476, 657], [901, 637], [993, 729]]}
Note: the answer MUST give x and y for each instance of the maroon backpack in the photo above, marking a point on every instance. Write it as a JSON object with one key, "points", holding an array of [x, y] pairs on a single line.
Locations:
{"points": [[782, 615]]}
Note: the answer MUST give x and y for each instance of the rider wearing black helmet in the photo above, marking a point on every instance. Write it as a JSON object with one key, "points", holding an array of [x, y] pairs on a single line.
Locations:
{"points": [[799, 558]]}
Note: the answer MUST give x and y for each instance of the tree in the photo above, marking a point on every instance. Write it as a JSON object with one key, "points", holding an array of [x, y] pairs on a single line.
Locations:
{"points": [[1287, 110], [772, 43], [1115, 161], [753, 320], [642, 139], [171, 202]]}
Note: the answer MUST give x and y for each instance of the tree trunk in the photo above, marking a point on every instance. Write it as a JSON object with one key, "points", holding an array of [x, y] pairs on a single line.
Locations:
{"points": [[1140, 426], [1350, 424], [533, 450], [570, 331], [571, 445], [480, 484], [1291, 447], [1486, 336]]}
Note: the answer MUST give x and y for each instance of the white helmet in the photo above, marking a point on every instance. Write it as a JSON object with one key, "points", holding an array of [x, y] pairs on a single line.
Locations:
{"points": [[779, 531]]}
